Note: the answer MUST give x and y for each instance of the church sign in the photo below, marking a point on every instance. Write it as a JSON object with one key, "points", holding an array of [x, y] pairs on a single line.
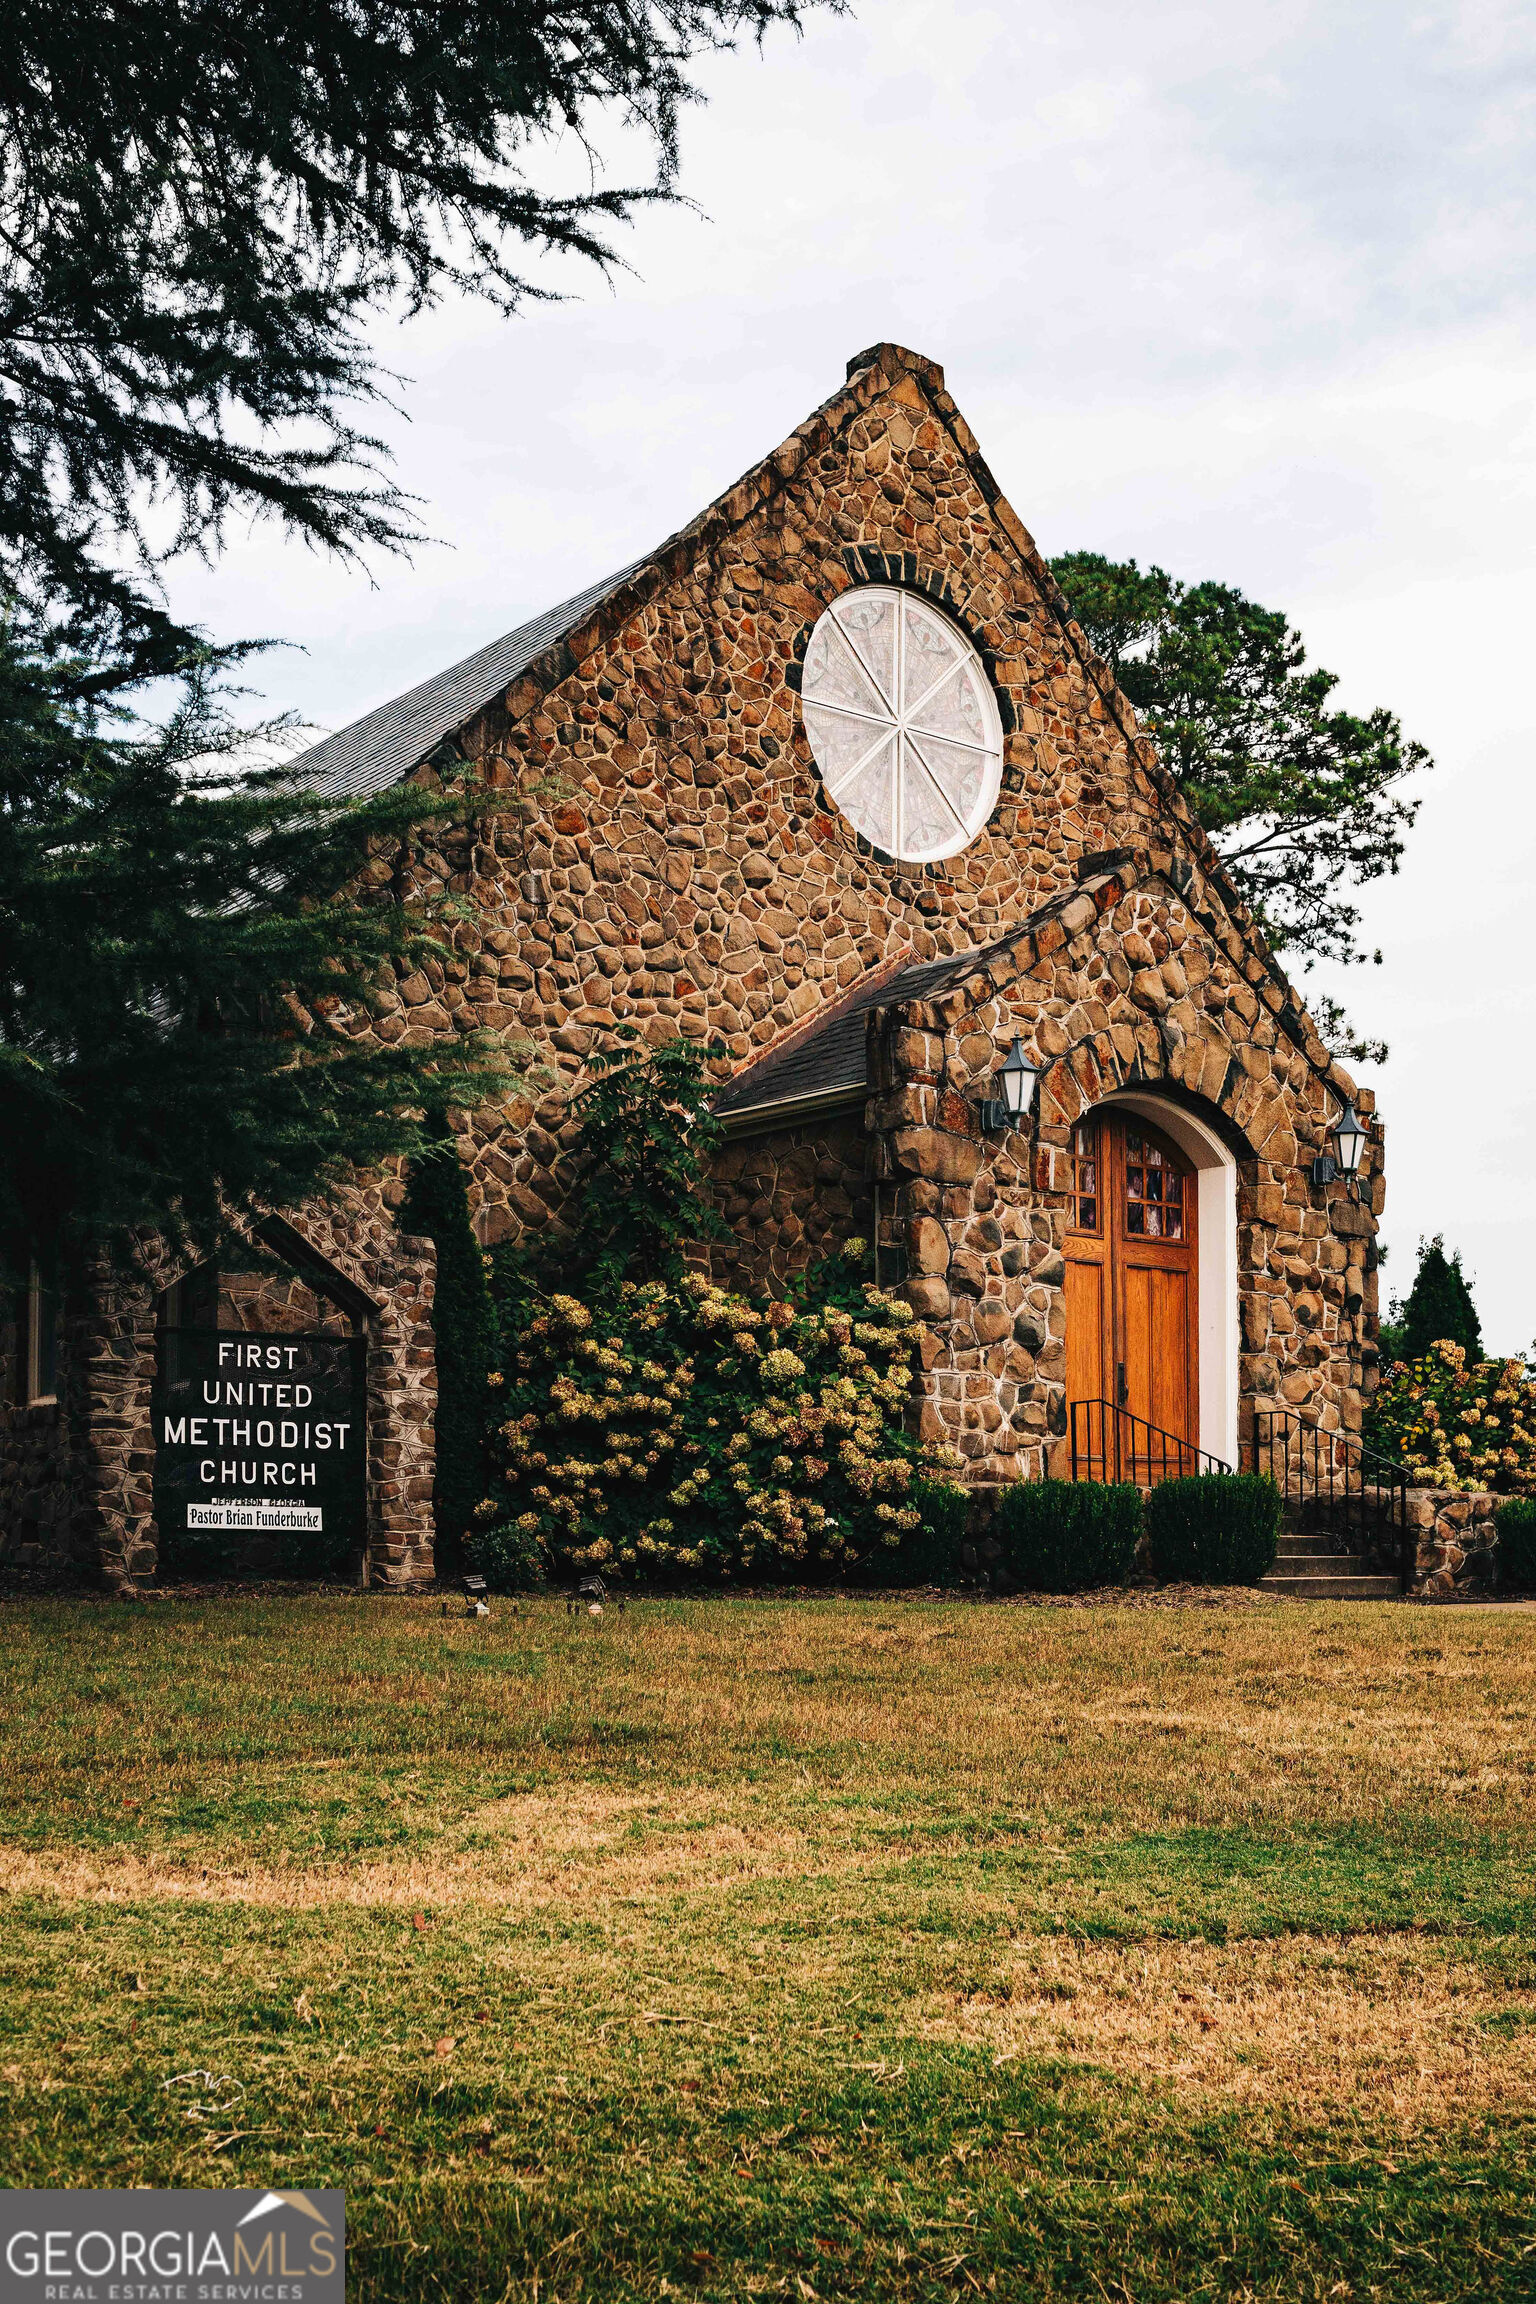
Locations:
{"points": [[259, 1434]]}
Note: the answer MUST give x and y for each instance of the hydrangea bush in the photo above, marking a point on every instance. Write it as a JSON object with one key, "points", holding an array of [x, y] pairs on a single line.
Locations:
{"points": [[1459, 1423], [675, 1429]]}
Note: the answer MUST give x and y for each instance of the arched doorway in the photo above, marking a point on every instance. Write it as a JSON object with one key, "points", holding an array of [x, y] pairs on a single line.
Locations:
{"points": [[1131, 1298]]}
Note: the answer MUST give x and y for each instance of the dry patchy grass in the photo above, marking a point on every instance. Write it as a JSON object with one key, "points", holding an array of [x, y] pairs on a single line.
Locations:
{"points": [[1408, 2035], [809, 1948]]}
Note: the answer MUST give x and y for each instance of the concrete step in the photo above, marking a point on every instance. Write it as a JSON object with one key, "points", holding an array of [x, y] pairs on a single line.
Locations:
{"points": [[1293, 1547], [1344, 1585], [1319, 1531]]}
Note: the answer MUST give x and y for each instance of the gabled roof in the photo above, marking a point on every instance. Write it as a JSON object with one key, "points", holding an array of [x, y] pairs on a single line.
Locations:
{"points": [[388, 743]]}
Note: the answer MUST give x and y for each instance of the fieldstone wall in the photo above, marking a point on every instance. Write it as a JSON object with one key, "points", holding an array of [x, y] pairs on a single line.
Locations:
{"points": [[1129, 982], [1455, 1542], [35, 1501], [671, 859], [793, 1195], [265, 1304]]}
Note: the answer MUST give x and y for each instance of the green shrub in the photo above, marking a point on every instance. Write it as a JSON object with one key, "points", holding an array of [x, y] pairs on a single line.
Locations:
{"points": [[1515, 1559], [511, 1559], [1068, 1535], [930, 1552], [1220, 1529], [647, 1422]]}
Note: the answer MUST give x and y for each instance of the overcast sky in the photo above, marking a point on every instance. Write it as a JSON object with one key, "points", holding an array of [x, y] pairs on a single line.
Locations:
{"points": [[1246, 291]]}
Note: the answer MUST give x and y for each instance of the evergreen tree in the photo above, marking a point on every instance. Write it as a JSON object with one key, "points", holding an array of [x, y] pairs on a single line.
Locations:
{"points": [[1438, 1306], [203, 206], [1300, 799], [203, 209], [463, 1326], [184, 980]]}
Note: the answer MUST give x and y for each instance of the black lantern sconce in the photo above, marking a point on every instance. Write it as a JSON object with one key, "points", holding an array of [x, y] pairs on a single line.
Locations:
{"points": [[1349, 1136], [1017, 1081]]}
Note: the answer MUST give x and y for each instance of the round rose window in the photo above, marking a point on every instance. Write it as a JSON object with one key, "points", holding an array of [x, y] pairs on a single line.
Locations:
{"points": [[903, 723]]}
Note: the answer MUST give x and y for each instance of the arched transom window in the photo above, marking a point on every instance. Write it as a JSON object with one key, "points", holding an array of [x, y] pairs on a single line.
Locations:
{"points": [[1136, 1169], [903, 723]]}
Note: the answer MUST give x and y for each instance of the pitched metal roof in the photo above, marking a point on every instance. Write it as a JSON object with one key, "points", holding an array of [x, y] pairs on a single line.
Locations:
{"points": [[388, 743], [825, 1065]]}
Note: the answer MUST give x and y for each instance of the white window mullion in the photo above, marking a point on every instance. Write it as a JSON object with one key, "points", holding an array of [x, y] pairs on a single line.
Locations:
{"points": [[901, 729], [898, 749], [937, 781]]}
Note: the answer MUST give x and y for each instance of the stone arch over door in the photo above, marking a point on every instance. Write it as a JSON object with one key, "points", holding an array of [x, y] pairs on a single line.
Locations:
{"points": [[382, 1277]]}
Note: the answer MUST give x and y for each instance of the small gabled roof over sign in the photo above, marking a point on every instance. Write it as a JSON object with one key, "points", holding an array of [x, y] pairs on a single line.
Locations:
{"points": [[387, 744]]}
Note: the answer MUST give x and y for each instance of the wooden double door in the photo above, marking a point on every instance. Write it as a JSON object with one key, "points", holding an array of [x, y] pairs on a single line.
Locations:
{"points": [[1133, 1294]]}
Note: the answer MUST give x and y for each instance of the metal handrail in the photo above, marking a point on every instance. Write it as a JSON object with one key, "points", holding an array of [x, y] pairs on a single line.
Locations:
{"points": [[1109, 1443], [1336, 1487]]}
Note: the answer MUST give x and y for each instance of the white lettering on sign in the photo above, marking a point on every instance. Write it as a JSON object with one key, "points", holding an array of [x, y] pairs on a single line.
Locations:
{"points": [[253, 1446], [221, 1472], [257, 1355], [226, 1392]]}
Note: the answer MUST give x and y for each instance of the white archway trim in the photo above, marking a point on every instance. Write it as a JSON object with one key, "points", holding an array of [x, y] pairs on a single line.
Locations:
{"points": [[1220, 1342]]}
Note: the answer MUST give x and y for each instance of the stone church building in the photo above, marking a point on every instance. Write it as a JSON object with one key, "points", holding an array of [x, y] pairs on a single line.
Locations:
{"points": [[833, 780]]}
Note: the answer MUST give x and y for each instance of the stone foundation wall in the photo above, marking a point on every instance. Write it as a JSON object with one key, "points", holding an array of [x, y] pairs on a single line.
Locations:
{"points": [[793, 1196], [1455, 1542]]}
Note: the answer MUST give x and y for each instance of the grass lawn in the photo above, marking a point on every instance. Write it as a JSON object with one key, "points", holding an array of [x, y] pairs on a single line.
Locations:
{"points": [[813, 1949]]}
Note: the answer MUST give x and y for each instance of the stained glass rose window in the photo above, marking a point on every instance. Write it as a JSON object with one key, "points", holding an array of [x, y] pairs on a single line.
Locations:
{"points": [[903, 723]]}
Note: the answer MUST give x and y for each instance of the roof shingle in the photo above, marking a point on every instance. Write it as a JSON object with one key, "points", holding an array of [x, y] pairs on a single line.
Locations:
{"points": [[388, 743]]}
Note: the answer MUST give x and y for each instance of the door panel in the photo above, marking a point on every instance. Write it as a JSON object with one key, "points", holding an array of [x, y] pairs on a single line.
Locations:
{"points": [[1137, 1342], [1087, 1373], [1132, 1293], [1157, 1348]]}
